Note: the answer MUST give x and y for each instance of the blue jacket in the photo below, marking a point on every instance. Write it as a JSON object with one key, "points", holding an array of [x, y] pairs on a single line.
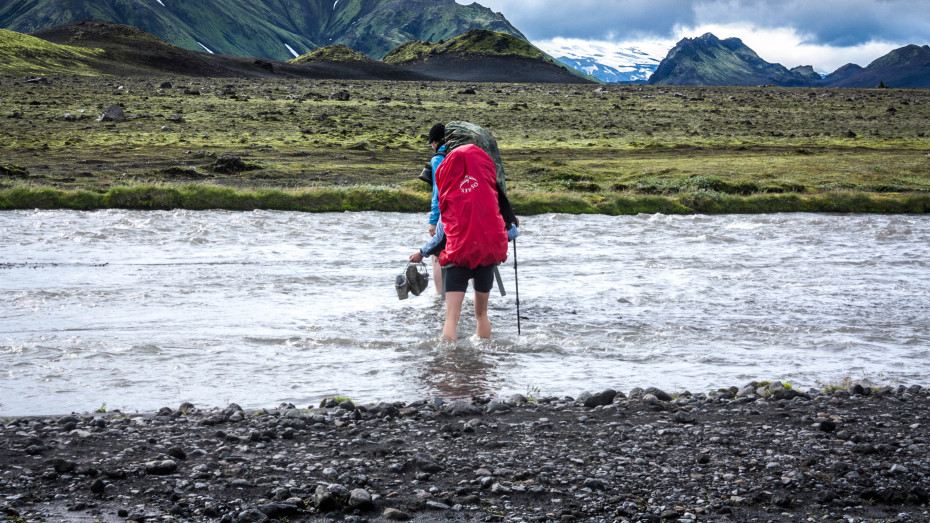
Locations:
{"points": [[434, 162]]}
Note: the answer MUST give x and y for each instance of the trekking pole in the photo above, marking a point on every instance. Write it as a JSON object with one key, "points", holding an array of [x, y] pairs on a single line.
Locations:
{"points": [[516, 283]]}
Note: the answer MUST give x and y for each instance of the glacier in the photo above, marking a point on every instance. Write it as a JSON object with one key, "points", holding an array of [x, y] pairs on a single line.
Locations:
{"points": [[611, 62]]}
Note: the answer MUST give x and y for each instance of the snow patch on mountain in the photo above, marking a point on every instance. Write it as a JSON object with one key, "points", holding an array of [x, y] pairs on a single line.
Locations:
{"points": [[609, 61], [162, 3], [207, 49], [293, 52]]}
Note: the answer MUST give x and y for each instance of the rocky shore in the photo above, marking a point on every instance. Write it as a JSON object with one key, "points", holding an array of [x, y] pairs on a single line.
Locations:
{"points": [[761, 452]]}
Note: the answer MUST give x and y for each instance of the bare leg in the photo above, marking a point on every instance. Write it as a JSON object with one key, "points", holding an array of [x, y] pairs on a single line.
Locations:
{"points": [[453, 311], [481, 314], [437, 274]]}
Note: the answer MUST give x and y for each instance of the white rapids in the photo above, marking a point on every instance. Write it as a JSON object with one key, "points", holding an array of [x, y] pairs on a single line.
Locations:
{"points": [[138, 310]]}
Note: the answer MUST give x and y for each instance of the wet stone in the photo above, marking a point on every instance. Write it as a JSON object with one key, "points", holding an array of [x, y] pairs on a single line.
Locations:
{"points": [[605, 397], [360, 499], [161, 467], [394, 514]]}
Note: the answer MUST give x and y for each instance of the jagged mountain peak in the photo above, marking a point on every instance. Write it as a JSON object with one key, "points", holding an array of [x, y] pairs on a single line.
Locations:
{"points": [[707, 60], [807, 72]]}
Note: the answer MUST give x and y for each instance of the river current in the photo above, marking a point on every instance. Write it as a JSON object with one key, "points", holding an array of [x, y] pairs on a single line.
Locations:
{"points": [[139, 310]]}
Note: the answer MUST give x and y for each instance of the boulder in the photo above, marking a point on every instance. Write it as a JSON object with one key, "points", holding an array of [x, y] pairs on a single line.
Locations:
{"points": [[605, 397], [228, 164], [114, 113]]}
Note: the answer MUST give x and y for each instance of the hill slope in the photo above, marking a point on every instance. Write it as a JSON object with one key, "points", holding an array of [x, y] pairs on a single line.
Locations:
{"points": [[98, 47], [273, 29], [24, 54], [483, 56], [842, 73], [905, 67], [106, 48]]}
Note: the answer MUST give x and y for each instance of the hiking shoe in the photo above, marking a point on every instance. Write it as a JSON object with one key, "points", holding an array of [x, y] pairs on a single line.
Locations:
{"points": [[417, 279], [402, 287]]}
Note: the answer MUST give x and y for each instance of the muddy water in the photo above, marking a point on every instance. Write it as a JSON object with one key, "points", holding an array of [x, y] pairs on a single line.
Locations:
{"points": [[139, 310]]}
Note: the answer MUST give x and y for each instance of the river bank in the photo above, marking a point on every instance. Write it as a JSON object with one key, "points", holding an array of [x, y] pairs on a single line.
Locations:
{"points": [[760, 452], [369, 198], [140, 143]]}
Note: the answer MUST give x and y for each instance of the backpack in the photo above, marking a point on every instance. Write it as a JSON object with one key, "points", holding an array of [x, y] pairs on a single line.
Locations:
{"points": [[427, 173], [462, 133]]}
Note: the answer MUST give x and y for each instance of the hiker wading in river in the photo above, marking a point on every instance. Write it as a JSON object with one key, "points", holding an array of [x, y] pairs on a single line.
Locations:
{"points": [[472, 211], [437, 142]]}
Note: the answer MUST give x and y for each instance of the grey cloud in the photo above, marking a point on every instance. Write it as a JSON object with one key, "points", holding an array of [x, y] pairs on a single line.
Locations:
{"points": [[590, 19], [838, 23], [827, 22]]}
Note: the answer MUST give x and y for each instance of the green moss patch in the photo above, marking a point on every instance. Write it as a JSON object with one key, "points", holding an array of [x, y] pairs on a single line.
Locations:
{"points": [[24, 54], [476, 41], [332, 53]]}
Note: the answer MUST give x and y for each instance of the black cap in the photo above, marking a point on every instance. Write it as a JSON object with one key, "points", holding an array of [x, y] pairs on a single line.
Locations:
{"points": [[437, 133]]}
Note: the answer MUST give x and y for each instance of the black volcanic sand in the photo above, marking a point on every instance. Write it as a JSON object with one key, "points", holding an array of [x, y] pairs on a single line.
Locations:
{"points": [[850, 455]]}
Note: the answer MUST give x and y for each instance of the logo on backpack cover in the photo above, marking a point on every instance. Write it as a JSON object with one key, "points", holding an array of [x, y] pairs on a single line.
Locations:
{"points": [[468, 184]]}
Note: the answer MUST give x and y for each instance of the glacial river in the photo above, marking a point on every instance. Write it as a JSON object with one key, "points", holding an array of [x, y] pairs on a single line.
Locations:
{"points": [[139, 310]]}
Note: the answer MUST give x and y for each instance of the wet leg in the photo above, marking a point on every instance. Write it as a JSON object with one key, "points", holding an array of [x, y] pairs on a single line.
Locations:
{"points": [[481, 314], [453, 311], [437, 275]]}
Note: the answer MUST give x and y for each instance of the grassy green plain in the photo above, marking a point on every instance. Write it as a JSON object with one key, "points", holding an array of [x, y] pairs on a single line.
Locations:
{"points": [[566, 148]]}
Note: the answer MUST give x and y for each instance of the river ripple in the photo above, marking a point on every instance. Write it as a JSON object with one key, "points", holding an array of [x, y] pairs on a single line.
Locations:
{"points": [[139, 310]]}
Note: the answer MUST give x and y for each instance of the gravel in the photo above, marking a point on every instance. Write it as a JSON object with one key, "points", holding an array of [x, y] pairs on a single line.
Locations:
{"points": [[758, 452]]}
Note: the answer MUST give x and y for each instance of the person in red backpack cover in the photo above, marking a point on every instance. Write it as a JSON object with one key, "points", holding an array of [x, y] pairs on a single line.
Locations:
{"points": [[475, 230]]}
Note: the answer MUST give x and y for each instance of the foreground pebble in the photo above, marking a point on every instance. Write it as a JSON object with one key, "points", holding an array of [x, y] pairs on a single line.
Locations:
{"points": [[760, 452]]}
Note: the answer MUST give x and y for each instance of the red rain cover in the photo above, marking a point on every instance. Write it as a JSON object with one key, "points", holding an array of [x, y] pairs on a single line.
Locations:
{"points": [[468, 207]]}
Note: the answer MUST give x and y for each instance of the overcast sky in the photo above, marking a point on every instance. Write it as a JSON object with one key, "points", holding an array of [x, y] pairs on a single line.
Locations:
{"points": [[824, 33]]}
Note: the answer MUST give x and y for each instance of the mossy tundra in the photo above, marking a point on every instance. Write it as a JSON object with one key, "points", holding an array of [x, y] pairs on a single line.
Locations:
{"points": [[334, 145], [476, 41]]}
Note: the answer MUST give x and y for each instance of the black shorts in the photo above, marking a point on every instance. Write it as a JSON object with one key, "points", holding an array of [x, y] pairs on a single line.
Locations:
{"points": [[457, 278]]}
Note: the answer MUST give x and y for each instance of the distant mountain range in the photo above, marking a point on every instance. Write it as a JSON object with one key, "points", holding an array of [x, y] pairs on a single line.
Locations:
{"points": [[271, 29], [279, 30], [708, 60]]}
